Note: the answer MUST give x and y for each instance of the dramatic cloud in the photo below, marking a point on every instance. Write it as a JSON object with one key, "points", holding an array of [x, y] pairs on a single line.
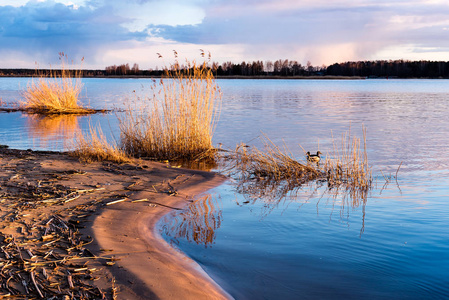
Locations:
{"points": [[42, 29], [323, 31]]}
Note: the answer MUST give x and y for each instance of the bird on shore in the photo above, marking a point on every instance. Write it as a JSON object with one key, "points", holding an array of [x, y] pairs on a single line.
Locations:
{"points": [[314, 157]]}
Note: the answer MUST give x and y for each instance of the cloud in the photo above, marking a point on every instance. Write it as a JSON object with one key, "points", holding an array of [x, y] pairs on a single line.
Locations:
{"points": [[45, 28], [258, 25], [322, 31], [86, 28]]}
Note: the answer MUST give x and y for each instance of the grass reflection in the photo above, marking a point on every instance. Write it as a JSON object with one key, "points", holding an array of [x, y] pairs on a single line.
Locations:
{"points": [[52, 127], [197, 223]]}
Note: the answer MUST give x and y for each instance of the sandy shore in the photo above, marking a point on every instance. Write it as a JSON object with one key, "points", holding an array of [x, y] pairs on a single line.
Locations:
{"points": [[112, 207]]}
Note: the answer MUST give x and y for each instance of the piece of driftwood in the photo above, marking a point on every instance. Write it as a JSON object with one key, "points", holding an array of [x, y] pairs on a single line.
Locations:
{"points": [[116, 201]]}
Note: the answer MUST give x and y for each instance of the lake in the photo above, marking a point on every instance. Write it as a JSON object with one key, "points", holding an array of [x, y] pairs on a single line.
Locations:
{"points": [[311, 243]]}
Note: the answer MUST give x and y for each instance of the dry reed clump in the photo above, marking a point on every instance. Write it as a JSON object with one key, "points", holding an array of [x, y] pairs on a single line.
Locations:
{"points": [[56, 95], [269, 175], [274, 172], [178, 122], [95, 147], [349, 164], [274, 164]]}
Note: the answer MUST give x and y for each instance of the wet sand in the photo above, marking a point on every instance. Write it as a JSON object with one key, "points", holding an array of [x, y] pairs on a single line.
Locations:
{"points": [[118, 205]]}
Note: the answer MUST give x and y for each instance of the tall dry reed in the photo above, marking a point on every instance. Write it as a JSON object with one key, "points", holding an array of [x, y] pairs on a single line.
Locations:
{"points": [[55, 95], [178, 122], [348, 163]]}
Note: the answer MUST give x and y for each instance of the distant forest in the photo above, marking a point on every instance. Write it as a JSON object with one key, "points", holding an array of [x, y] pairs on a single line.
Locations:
{"points": [[278, 68]]}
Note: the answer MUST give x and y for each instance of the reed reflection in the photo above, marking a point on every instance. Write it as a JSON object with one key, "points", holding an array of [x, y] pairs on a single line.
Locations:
{"points": [[197, 223], [207, 165], [53, 128], [280, 194]]}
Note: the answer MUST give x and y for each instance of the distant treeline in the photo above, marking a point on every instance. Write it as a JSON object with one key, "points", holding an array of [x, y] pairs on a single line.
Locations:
{"points": [[82, 73], [278, 68], [391, 68]]}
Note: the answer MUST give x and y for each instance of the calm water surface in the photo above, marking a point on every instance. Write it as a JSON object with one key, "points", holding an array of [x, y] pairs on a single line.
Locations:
{"points": [[310, 244]]}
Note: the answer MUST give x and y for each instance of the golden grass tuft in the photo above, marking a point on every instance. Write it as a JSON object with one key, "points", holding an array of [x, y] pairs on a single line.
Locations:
{"points": [[178, 122], [95, 147], [349, 163], [56, 95], [59, 95]]}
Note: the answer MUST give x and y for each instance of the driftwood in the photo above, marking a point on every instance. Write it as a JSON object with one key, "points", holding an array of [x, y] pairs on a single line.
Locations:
{"points": [[46, 256], [42, 273]]}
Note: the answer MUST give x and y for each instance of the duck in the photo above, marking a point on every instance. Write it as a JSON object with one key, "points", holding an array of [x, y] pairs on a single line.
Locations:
{"points": [[314, 157]]}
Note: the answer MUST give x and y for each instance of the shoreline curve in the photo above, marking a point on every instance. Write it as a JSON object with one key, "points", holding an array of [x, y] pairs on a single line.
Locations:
{"points": [[147, 266], [117, 204]]}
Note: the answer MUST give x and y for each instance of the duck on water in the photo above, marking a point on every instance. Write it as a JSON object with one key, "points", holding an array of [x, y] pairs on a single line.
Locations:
{"points": [[313, 157]]}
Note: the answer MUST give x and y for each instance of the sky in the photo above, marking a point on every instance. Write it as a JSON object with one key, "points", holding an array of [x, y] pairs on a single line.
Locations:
{"points": [[108, 32]]}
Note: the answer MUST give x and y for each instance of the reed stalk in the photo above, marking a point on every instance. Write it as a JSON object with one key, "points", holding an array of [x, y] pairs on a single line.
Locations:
{"points": [[178, 122]]}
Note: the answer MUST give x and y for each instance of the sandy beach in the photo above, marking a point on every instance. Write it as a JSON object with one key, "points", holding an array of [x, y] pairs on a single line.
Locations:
{"points": [[105, 213]]}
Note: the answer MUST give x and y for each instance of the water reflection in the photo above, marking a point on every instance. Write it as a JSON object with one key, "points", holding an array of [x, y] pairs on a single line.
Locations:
{"points": [[349, 199], [281, 194], [197, 223], [50, 129], [207, 165]]}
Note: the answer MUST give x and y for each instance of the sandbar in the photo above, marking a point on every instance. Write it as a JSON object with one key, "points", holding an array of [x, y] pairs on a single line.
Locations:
{"points": [[115, 207]]}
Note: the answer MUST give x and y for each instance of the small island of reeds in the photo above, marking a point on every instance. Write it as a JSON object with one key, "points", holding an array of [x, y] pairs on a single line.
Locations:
{"points": [[57, 93]]}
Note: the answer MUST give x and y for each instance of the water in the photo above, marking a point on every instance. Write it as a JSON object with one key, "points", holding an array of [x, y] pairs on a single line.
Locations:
{"points": [[57, 133], [310, 244]]}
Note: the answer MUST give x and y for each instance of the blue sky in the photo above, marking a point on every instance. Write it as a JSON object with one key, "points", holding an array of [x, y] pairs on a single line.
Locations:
{"points": [[107, 32]]}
